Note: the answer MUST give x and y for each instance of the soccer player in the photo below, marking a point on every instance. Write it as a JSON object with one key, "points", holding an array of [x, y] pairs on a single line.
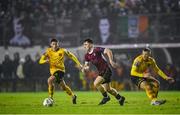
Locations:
{"points": [[55, 57], [142, 74], [95, 55]]}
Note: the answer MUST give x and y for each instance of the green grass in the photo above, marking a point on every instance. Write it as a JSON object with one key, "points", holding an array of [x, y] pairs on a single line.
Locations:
{"points": [[136, 102]]}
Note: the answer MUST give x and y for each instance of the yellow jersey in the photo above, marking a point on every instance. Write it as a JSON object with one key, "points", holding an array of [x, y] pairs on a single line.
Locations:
{"points": [[56, 59], [140, 66]]}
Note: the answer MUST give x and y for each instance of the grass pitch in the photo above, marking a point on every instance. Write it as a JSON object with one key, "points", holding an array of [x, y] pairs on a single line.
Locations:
{"points": [[87, 103]]}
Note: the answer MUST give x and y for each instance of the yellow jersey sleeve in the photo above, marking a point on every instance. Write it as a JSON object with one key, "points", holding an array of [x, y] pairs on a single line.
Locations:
{"points": [[43, 58], [135, 67], [73, 57], [158, 71]]}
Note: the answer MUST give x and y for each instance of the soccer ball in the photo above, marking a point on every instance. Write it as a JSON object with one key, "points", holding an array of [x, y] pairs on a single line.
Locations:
{"points": [[48, 102]]}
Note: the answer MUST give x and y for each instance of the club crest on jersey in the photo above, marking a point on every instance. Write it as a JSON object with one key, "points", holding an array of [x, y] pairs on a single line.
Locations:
{"points": [[60, 54]]}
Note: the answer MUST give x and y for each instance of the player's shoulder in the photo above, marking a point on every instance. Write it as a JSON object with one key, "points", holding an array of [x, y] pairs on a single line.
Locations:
{"points": [[62, 49], [48, 49], [138, 58], [151, 59], [96, 49]]}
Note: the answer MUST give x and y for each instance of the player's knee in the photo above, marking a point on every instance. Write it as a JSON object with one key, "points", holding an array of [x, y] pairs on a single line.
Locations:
{"points": [[109, 90], [156, 84], [96, 85], [49, 81], [148, 87], [63, 87]]}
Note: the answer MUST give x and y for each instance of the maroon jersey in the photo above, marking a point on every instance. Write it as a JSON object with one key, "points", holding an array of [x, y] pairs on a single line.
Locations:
{"points": [[97, 59]]}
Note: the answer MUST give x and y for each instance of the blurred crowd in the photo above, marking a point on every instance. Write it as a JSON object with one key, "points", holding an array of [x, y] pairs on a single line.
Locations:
{"points": [[27, 18], [39, 10], [22, 68]]}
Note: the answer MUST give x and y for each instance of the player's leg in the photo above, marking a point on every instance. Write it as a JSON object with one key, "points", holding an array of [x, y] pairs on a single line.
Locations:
{"points": [[66, 88], [151, 93], [97, 83], [155, 86], [154, 83], [59, 75], [68, 91], [51, 86], [114, 92]]}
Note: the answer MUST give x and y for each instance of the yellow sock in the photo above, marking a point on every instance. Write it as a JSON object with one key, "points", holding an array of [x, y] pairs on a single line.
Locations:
{"points": [[150, 93], [69, 91], [155, 88], [51, 91]]}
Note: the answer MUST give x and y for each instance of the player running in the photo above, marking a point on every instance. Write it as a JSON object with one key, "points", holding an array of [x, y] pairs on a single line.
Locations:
{"points": [[142, 71], [102, 82], [55, 57]]}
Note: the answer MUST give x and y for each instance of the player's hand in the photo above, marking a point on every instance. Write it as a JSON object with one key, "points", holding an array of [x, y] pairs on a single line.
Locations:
{"points": [[79, 67], [146, 75], [85, 69], [170, 80], [47, 60], [113, 64]]}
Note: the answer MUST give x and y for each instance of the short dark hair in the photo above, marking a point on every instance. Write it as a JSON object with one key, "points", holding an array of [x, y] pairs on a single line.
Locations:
{"points": [[147, 50], [88, 40], [54, 40]]}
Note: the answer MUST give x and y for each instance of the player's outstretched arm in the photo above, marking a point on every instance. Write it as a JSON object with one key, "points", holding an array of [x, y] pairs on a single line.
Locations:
{"points": [[109, 53], [43, 59], [74, 58], [161, 73], [85, 68]]}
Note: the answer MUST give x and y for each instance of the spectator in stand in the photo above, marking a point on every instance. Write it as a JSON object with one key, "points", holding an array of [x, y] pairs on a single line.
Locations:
{"points": [[72, 74], [39, 71], [28, 67], [7, 67], [0, 70], [20, 72], [15, 63]]}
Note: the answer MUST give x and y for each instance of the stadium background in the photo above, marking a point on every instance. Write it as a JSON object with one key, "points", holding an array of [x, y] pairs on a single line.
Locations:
{"points": [[125, 26]]}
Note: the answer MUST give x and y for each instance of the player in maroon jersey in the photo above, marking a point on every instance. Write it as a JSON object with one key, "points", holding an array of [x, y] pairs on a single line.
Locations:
{"points": [[95, 55]]}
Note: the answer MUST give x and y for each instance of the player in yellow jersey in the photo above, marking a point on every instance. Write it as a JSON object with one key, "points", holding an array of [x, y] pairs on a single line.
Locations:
{"points": [[142, 74], [55, 57]]}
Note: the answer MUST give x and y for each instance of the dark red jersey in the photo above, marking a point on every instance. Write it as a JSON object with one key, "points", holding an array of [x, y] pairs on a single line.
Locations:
{"points": [[97, 59]]}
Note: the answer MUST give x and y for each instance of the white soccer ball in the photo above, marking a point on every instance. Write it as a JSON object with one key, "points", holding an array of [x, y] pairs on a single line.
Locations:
{"points": [[48, 102]]}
